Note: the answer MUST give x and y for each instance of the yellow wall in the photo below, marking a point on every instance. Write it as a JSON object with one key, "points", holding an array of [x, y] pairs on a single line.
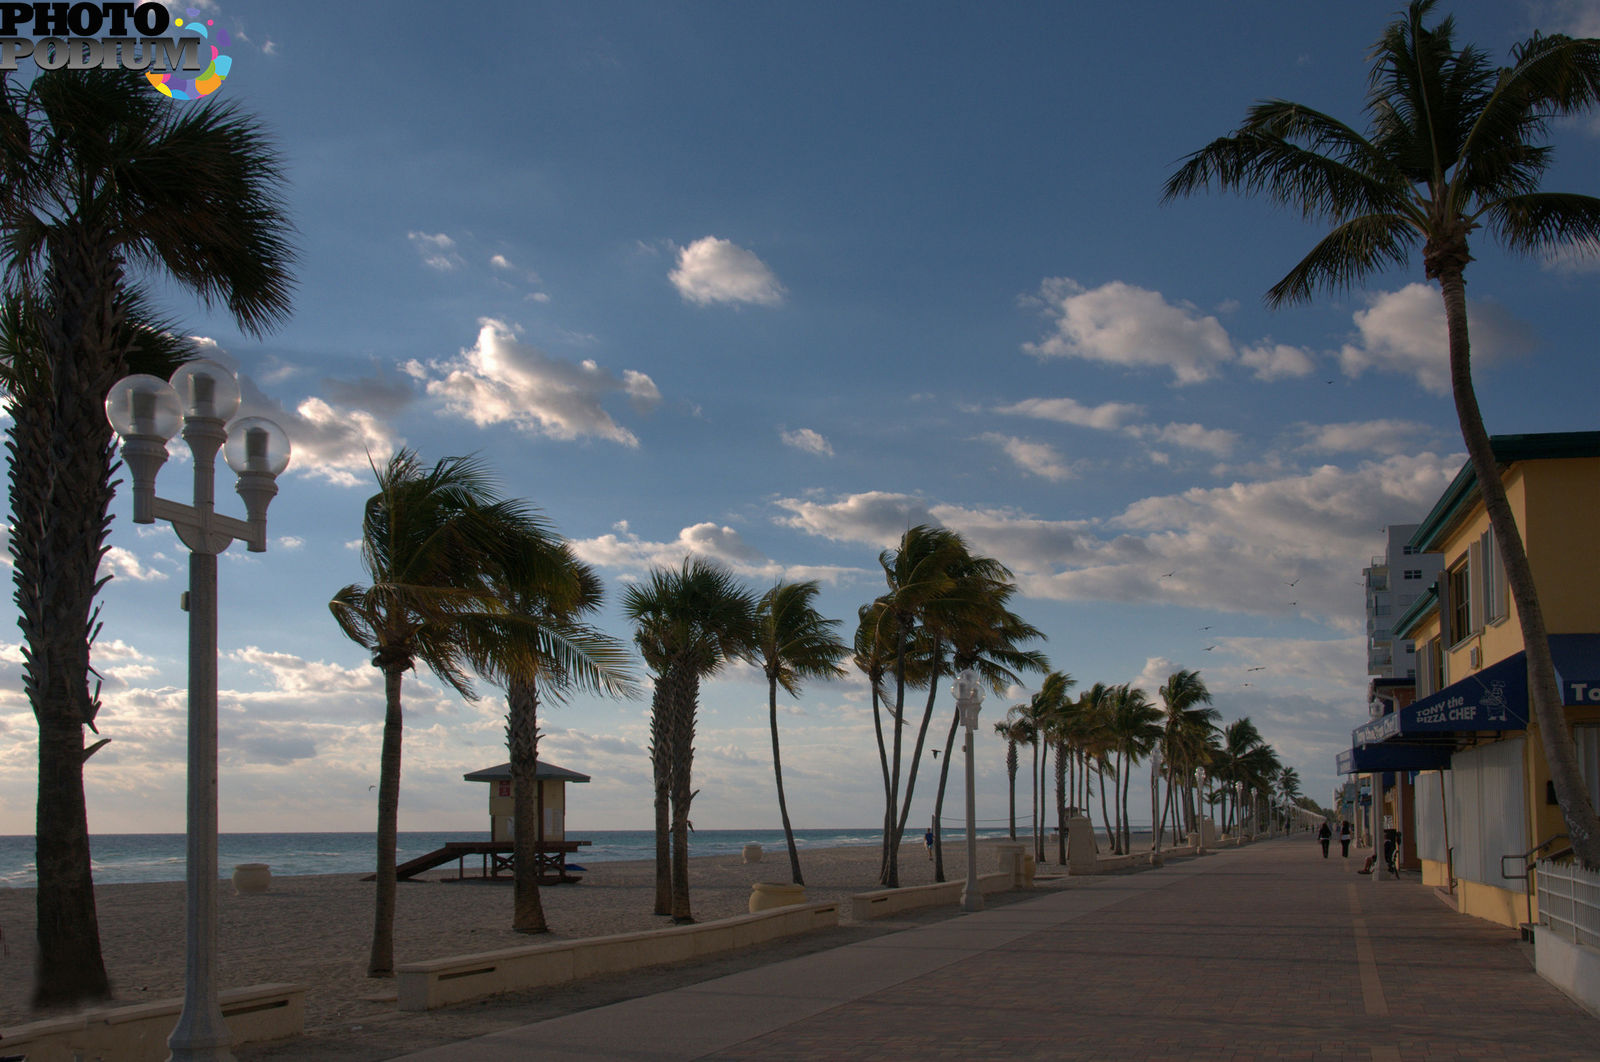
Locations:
{"points": [[1562, 509], [502, 808], [1435, 874], [1494, 904]]}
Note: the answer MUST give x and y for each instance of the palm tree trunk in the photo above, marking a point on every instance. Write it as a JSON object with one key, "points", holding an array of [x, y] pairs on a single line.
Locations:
{"points": [[661, 775], [61, 493], [1105, 819], [1033, 786], [1061, 803], [381, 961], [916, 755], [777, 772], [522, 741], [938, 800], [1548, 713], [1011, 778], [890, 878], [883, 766], [681, 741]]}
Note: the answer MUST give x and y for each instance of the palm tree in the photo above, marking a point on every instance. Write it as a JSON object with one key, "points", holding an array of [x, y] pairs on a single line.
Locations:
{"points": [[433, 543], [99, 175], [550, 652], [793, 642], [690, 621], [1016, 732], [1043, 713], [1188, 725], [1135, 728], [1454, 144], [988, 641], [1239, 738], [1073, 727], [934, 585]]}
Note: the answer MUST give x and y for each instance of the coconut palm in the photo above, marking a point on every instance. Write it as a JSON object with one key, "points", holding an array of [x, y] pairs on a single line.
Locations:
{"points": [[1016, 732], [989, 641], [1187, 729], [1238, 739], [935, 586], [1135, 727], [100, 177], [1074, 727], [549, 652], [1454, 145], [433, 542], [690, 621], [793, 642], [1044, 713]]}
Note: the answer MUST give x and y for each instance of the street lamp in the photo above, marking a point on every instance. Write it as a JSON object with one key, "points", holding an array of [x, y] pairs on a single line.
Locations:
{"points": [[969, 699], [146, 412]]}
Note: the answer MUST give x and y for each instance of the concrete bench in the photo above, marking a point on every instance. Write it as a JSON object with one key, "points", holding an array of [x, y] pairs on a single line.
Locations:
{"points": [[880, 903], [441, 982], [138, 1032]]}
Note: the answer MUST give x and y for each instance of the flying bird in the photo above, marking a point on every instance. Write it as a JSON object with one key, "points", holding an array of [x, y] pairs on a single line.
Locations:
{"points": [[1170, 574], [1207, 627], [1261, 668], [1296, 580], [1208, 649]]}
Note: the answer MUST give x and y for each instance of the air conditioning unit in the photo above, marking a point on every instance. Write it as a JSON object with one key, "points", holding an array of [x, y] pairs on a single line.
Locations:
{"points": [[1475, 657]]}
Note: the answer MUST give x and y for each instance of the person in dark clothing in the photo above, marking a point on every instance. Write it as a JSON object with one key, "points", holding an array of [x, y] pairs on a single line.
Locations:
{"points": [[1344, 838], [1325, 835]]}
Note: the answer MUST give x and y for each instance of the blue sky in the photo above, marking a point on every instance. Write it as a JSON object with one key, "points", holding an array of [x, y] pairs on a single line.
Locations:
{"points": [[770, 283]]}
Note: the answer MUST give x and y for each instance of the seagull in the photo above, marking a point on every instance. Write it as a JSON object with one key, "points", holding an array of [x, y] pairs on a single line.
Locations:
{"points": [[1207, 627], [1208, 649], [1261, 668], [1296, 580], [1292, 604], [1170, 574]]}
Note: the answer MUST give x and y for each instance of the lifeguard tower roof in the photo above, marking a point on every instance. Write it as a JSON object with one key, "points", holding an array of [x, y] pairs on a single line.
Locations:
{"points": [[547, 772]]}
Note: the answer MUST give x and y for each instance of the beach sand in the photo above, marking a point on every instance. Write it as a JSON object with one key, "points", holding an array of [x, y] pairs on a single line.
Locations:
{"points": [[317, 931]]}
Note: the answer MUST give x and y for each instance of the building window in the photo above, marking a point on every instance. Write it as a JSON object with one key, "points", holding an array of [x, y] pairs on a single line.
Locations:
{"points": [[1496, 603], [1410, 551], [1413, 573], [1459, 586]]}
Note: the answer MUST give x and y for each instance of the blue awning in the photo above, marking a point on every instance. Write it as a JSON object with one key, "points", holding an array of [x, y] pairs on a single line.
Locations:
{"points": [[1367, 759], [1495, 698], [1577, 659]]}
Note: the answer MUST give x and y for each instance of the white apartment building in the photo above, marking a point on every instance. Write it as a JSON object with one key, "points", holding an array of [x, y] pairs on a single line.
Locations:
{"points": [[1393, 582]]}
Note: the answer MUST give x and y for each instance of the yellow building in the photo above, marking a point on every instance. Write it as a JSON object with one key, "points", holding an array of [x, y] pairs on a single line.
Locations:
{"points": [[551, 801], [1483, 807]]}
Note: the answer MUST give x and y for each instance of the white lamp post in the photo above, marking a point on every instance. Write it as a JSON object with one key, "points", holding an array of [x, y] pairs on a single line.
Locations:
{"points": [[969, 699], [146, 412]]}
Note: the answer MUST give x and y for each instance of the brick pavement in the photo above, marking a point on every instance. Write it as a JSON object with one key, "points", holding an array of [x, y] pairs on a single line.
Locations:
{"points": [[1268, 951]]}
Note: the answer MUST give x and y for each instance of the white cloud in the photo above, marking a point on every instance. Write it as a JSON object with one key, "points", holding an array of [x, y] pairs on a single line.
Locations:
{"points": [[714, 270], [500, 380], [290, 542], [810, 441], [438, 251], [500, 261], [1041, 459], [1108, 416], [719, 543], [1365, 436], [1120, 324], [1273, 361], [1404, 332], [329, 441], [1233, 548], [119, 561], [1218, 441]]}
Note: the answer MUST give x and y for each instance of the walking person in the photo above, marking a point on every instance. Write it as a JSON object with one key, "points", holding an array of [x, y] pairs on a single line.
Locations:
{"points": [[1325, 835], [1344, 838]]}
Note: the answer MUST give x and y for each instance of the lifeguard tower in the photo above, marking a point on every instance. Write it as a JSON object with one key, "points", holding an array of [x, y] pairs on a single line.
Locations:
{"points": [[551, 846]]}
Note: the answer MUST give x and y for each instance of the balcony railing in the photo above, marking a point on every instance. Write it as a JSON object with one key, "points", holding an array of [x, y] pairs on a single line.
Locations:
{"points": [[1569, 901]]}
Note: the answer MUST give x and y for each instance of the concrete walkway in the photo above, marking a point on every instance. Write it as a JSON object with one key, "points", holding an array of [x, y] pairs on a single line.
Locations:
{"points": [[1268, 951]]}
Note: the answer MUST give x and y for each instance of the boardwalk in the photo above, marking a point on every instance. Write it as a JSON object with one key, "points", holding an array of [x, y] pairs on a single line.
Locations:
{"points": [[1262, 952]]}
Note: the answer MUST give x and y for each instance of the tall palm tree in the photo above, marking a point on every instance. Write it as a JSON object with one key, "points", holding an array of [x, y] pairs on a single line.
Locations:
{"points": [[793, 642], [934, 585], [1239, 738], [1135, 726], [549, 651], [989, 641], [1187, 727], [99, 176], [1043, 713], [1073, 728], [1454, 144], [690, 621], [1016, 732], [433, 543]]}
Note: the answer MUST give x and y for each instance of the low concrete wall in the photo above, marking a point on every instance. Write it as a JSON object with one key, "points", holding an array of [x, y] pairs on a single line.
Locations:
{"points": [[138, 1033], [1573, 968], [880, 903], [456, 979]]}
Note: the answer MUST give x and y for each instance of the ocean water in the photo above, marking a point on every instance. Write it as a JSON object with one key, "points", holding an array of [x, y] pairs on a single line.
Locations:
{"points": [[120, 858]]}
